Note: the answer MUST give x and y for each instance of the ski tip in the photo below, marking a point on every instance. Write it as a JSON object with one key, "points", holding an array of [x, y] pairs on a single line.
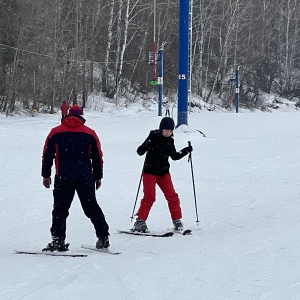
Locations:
{"points": [[103, 250], [187, 232], [184, 232]]}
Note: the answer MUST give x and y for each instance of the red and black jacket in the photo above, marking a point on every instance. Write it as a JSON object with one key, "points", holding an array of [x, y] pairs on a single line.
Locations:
{"points": [[76, 150]]}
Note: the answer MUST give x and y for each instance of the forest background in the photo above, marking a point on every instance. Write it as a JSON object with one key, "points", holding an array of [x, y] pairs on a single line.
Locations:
{"points": [[70, 49]]}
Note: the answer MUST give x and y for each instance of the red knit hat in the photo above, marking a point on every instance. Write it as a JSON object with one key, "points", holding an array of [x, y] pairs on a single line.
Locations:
{"points": [[76, 110]]}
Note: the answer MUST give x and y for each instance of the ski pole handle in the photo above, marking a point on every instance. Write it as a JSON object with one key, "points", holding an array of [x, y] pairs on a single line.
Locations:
{"points": [[190, 155]]}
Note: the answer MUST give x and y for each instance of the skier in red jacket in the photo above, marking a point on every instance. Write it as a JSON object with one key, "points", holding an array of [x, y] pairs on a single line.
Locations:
{"points": [[77, 153], [64, 109]]}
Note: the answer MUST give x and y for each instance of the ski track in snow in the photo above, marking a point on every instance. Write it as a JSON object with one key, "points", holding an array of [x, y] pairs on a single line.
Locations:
{"points": [[245, 247]]}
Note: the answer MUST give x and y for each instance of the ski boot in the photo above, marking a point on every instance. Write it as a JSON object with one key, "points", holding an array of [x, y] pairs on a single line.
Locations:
{"points": [[140, 226], [57, 244], [103, 242], [178, 226]]}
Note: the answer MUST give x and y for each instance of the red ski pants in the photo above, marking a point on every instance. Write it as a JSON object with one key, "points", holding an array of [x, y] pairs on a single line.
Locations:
{"points": [[166, 186]]}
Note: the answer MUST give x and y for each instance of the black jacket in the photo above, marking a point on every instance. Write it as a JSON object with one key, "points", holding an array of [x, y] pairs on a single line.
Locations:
{"points": [[159, 149]]}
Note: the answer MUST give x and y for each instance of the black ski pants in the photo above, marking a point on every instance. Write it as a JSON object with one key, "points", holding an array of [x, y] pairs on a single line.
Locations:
{"points": [[63, 194]]}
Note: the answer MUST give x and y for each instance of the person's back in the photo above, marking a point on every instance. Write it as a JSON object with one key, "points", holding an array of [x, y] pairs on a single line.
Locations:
{"points": [[75, 145], [77, 153]]}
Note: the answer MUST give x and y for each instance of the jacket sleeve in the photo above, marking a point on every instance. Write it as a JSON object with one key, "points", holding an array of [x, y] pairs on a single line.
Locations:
{"points": [[178, 155], [48, 156], [97, 157], [142, 149]]}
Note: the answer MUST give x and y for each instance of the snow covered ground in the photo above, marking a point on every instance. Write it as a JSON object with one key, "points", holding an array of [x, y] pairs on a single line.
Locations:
{"points": [[246, 245]]}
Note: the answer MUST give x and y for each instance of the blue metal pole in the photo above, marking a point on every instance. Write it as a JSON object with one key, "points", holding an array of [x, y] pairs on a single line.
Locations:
{"points": [[160, 80], [183, 62], [237, 90]]}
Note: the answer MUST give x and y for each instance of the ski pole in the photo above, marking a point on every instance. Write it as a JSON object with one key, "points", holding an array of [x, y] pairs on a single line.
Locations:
{"points": [[190, 159], [137, 194]]}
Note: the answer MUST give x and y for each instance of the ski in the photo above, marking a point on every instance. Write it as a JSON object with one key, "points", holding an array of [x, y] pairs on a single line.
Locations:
{"points": [[102, 250], [155, 234], [184, 232], [54, 253]]}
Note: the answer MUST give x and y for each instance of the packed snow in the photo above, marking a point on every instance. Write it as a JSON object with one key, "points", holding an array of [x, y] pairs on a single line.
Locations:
{"points": [[245, 246]]}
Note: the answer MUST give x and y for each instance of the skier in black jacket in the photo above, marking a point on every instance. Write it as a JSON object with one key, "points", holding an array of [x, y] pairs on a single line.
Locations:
{"points": [[77, 153], [159, 146]]}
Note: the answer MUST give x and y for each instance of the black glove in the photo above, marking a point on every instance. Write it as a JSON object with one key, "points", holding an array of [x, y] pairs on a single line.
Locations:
{"points": [[187, 150], [98, 183], [47, 182]]}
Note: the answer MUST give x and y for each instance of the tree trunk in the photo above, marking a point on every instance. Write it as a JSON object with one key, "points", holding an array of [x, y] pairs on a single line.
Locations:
{"points": [[108, 46]]}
